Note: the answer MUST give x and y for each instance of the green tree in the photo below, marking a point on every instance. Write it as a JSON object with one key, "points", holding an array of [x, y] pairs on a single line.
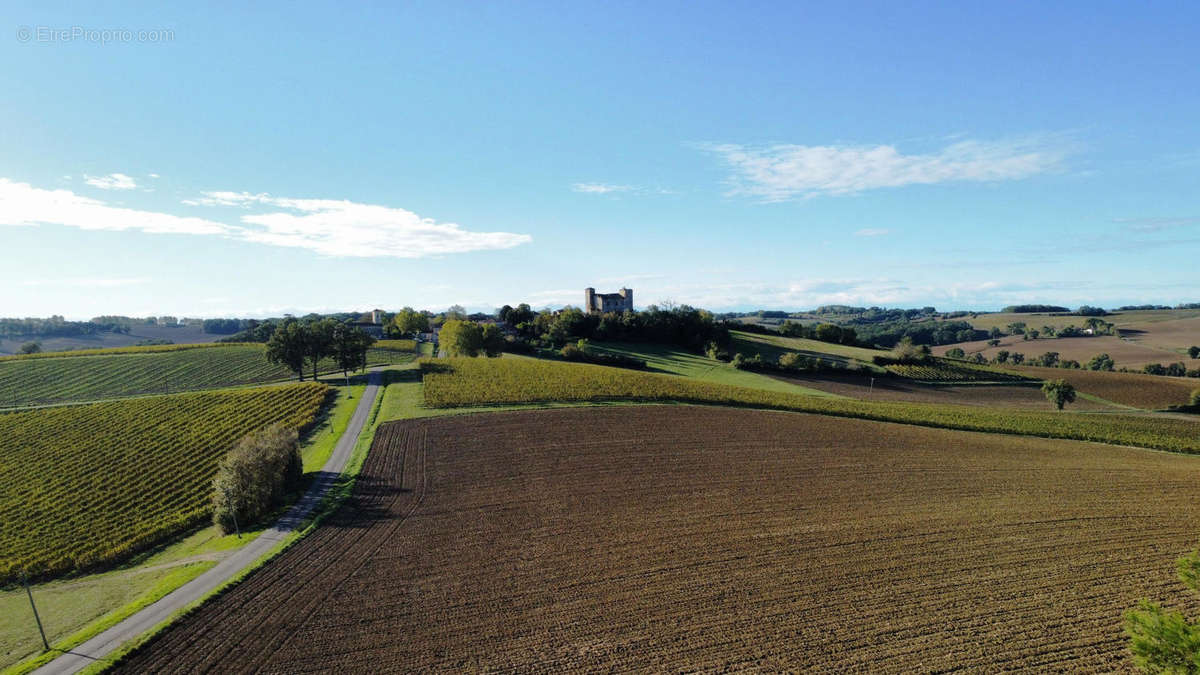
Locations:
{"points": [[1194, 352], [993, 342], [1017, 358], [1059, 392], [287, 346], [956, 353], [1164, 641], [491, 340], [1195, 400], [256, 476], [1002, 356], [456, 313], [461, 338], [409, 321], [1100, 362], [349, 347], [36, 348], [995, 333], [318, 341]]}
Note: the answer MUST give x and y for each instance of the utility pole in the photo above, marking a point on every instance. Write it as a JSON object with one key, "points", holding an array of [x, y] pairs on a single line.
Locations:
{"points": [[36, 618], [872, 391]]}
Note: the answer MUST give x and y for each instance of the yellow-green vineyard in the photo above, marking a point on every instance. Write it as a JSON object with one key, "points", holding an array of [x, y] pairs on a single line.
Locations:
{"points": [[26, 382], [465, 382], [92, 484]]}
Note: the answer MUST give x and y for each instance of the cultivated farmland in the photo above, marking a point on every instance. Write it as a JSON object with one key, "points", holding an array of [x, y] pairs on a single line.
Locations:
{"points": [[91, 484], [874, 388], [470, 382], [68, 378], [1151, 392], [691, 538]]}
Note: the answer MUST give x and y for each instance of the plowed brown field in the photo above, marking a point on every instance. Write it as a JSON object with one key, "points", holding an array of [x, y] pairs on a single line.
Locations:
{"points": [[660, 538]]}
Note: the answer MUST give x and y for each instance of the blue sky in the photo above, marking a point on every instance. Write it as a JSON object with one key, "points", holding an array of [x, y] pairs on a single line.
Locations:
{"points": [[215, 160]]}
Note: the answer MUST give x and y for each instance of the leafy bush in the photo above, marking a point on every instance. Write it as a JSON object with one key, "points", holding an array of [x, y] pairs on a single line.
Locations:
{"points": [[258, 475]]}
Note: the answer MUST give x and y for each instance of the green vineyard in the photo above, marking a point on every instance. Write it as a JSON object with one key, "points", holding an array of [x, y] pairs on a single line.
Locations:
{"points": [[949, 371], [452, 383], [92, 484], [26, 382]]}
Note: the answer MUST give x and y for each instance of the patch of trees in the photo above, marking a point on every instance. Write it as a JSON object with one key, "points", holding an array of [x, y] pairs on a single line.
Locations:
{"points": [[261, 472], [31, 348], [1030, 309], [788, 363], [223, 326], [57, 326], [408, 322], [468, 338], [1135, 308], [294, 342], [682, 326], [920, 332], [824, 332], [1088, 310]]}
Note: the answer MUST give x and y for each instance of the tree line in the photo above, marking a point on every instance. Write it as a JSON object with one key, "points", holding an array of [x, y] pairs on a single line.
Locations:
{"points": [[294, 342]]}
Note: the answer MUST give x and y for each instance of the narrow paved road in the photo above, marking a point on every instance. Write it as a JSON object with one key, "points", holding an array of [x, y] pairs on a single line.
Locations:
{"points": [[105, 643]]}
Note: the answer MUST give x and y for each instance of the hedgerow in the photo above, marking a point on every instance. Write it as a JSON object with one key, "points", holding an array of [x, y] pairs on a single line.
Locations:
{"points": [[463, 382], [93, 484]]}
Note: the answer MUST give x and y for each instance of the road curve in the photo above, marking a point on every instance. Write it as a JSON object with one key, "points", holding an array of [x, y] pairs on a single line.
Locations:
{"points": [[110, 640]]}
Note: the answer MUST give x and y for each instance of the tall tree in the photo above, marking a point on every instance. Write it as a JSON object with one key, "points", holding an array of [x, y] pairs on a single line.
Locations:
{"points": [[409, 321], [460, 338], [318, 341], [287, 346], [349, 348]]}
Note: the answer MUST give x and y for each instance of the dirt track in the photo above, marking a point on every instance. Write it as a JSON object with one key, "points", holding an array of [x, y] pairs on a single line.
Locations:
{"points": [[678, 537]]}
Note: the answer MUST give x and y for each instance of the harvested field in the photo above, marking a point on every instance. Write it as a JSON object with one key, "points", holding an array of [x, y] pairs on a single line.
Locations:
{"points": [[899, 389], [696, 538], [1176, 335], [1124, 353], [1152, 392]]}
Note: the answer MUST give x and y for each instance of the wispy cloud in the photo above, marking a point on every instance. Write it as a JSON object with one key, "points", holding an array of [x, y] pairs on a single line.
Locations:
{"points": [[872, 232], [326, 226], [23, 204], [600, 188], [782, 172], [85, 283], [1158, 224], [113, 181], [350, 229]]}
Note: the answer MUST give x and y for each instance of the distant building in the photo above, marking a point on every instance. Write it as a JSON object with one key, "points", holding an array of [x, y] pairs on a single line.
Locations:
{"points": [[371, 323], [600, 303]]}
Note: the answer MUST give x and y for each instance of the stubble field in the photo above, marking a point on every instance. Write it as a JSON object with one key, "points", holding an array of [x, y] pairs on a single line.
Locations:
{"points": [[682, 537]]}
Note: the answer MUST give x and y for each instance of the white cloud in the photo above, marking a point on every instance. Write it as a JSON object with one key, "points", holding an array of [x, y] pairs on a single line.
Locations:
{"points": [[226, 198], [154, 175], [600, 188], [872, 232], [23, 204], [349, 229], [782, 172], [113, 181], [326, 226], [85, 283]]}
